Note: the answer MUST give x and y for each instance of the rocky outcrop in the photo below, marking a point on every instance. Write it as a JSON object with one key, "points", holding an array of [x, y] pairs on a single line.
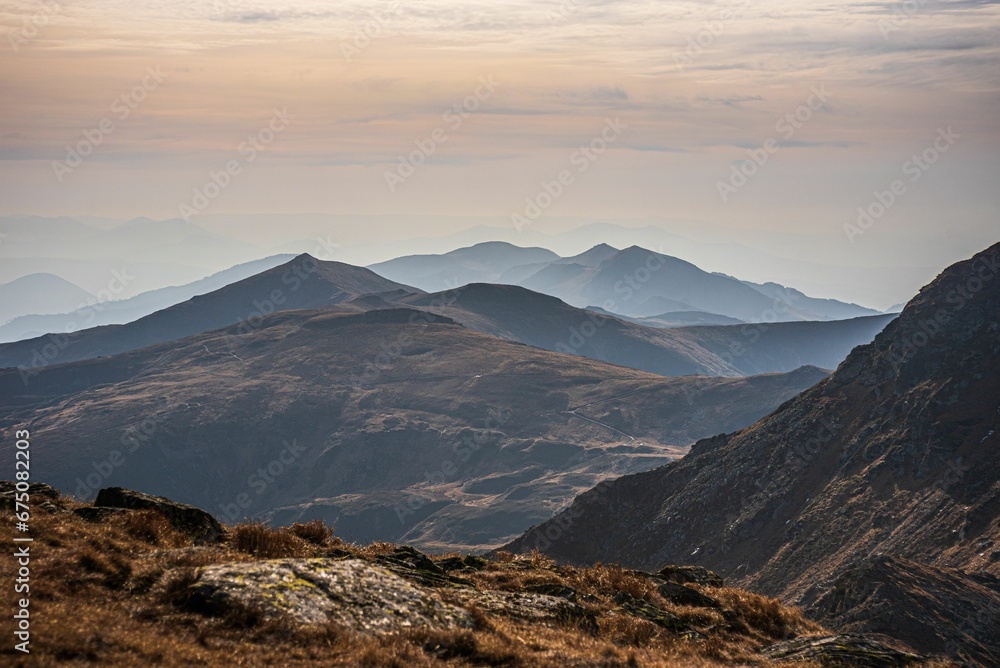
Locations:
{"points": [[192, 521], [690, 575], [682, 595], [892, 596], [353, 593], [40, 496], [842, 650]]}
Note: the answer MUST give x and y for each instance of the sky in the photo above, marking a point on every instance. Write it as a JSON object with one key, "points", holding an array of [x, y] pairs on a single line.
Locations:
{"points": [[858, 132]]}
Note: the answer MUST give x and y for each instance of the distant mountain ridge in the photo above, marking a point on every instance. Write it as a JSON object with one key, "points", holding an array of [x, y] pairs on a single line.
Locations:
{"points": [[633, 282], [510, 312], [302, 283], [40, 293], [126, 310]]}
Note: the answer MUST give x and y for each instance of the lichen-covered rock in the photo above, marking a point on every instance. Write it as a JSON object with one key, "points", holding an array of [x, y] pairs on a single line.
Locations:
{"points": [[691, 574], [195, 522], [353, 593], [629, 605], [842, 650], [680, 595], [531, 607]]}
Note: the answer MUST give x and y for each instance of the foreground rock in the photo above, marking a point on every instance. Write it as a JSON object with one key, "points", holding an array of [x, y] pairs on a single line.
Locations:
{"points": [[353, 593], [195, 522], [41, 496], [843, 650], [531, 607]]}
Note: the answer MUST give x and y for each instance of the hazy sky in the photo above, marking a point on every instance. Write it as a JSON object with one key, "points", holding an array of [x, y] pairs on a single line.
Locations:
{"points": [[680, 91]]}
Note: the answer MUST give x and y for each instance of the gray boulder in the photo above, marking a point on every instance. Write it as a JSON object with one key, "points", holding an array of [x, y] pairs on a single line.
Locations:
{"points": [[195, 522], [350, 592]]}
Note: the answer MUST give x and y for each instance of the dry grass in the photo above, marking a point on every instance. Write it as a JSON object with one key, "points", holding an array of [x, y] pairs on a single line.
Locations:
{"points": [[115, 593]]}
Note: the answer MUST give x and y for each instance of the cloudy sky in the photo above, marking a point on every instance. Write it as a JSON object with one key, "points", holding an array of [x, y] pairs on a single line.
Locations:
{"points": [[311, 108]]}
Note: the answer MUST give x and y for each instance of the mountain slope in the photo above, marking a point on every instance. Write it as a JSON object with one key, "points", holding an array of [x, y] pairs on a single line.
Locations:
{"points": [[395, 422], [897, 454], [300, 284], [826, 309], [126, 310], [518, 314]]}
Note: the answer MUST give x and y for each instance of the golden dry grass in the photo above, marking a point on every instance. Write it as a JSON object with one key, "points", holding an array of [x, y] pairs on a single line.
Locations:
{"points": [[114, 593]]}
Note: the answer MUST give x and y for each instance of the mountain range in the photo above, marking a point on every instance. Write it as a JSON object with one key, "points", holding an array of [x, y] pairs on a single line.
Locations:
{"points": [[509, 312], [391, 424], [872, 499], [633, 282]]}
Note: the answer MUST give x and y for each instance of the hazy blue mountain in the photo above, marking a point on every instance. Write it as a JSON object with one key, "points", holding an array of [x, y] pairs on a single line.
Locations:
{"points": [[675, 318], [39, 293], [826, 309], [589, 258], [640, 283], [482, 263], [126, 310], [303, 283]]}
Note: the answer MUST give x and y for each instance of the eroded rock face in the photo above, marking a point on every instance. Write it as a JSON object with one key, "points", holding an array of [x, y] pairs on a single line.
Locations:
{"points": [[195, 522], [534, 607], [849, 650], [353, 593]]}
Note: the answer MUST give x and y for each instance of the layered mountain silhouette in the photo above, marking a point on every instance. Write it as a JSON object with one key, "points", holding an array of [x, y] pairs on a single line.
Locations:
{"points": [[302, 283], [519, 314], [123, 311], [871, 499], [510, 312], [389, 423], [39, 293], [482, 263], [633, 282]]}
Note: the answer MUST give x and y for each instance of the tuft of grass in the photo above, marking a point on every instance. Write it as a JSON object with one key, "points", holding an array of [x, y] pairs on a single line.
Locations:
{"points": [[315, 532], [264, 542]]}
